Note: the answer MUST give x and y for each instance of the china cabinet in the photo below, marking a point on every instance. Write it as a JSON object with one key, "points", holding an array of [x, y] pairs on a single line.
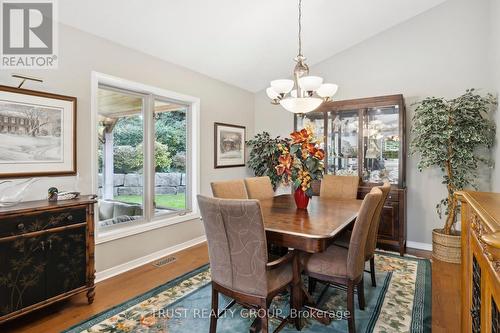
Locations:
{"points": [[46, 254], [367, 137]]}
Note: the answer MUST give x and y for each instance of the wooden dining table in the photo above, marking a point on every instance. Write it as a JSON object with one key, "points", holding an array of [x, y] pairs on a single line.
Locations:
{"points": [[309, 231]]}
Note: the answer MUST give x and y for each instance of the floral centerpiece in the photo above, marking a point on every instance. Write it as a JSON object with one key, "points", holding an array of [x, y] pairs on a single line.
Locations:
{"points": [[300, 163]]}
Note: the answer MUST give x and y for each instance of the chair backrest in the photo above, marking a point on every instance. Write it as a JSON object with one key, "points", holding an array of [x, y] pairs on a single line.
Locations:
{"points": [[371, 241], [356, 254], [237, 245], [259, 188], [229, 189], [339, 187]]}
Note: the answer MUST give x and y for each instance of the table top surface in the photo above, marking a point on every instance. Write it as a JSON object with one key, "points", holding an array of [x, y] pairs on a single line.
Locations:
{"points": [[324, 218]]}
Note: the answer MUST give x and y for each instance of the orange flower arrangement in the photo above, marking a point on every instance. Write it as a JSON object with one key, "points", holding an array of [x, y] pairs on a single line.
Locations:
{"points": [[302, 162]]}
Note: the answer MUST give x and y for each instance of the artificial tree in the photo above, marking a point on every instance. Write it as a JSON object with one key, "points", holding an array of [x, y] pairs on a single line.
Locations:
{"points": [[449, 134], [264, 155]]}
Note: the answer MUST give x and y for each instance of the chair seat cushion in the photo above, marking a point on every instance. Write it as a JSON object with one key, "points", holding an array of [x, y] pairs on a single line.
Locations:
{"points": [[332, 262], [279, 277]]}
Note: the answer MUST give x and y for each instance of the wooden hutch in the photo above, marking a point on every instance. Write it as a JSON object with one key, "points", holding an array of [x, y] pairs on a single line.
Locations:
{"points": [[480, 262], [367, 137]]}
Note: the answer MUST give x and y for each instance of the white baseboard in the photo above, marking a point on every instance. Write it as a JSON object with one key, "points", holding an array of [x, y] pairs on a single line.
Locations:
{"points": [[419, 246], [122, 268]]}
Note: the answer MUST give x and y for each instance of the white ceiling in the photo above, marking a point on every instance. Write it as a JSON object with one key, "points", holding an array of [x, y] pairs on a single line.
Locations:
{"points": [[244, 43]]}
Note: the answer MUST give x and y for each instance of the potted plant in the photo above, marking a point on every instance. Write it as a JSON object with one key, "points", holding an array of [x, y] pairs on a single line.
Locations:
{"points": [[449, 134], [301, 162], [264, 156]]}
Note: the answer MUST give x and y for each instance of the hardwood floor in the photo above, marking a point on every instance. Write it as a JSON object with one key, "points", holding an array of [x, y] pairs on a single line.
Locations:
{"points": [[55, 318]]}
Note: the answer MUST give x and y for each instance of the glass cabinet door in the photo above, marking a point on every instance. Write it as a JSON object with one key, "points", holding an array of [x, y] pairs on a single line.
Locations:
{"points": [[381, 144], [342, 142]]}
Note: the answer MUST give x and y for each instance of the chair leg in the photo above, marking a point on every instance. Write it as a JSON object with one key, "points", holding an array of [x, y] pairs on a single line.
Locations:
{"points": [[264, 317], [215, 310], [311, 285], [361, 294], [350, 307], [372, 271]]}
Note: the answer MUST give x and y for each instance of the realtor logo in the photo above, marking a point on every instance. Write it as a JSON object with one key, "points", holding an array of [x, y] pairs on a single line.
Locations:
{"points": [[28, 34]]}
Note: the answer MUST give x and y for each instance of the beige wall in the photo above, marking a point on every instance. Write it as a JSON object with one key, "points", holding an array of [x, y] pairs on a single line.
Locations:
{"points": [[79, 54], [495, 67], [441, 52]]}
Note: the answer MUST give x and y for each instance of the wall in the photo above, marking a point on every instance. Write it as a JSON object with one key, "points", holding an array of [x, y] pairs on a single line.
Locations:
{"points": [[495, 66], [441, 52], [79, 54]]}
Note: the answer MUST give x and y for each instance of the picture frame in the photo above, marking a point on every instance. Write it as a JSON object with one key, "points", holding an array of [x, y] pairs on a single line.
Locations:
{"points": [[37, 133], [229, 145]]}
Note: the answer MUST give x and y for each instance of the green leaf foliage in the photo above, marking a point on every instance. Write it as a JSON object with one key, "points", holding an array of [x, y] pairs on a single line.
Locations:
{"points": [[454, 135], [264, 154]]}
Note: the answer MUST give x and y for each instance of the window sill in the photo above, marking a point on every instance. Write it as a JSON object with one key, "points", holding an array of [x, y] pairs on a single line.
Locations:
{"points": [[130, 230]]}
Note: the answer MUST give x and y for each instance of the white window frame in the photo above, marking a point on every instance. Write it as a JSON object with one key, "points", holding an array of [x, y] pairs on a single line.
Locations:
{"points": [[193, 157]]}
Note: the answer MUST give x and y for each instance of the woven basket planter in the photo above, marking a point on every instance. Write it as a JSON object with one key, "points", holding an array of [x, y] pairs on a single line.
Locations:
{"points": [[446, 247]]}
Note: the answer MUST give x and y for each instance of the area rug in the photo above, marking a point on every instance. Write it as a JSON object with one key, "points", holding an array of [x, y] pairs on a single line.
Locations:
{"points": [[401, 302]]}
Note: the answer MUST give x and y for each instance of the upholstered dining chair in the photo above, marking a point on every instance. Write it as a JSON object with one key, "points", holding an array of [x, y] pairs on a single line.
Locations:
{"points": [[339, 187], [259, 188], [371, 241], [238, 257], [229, 189], [338, 265]]}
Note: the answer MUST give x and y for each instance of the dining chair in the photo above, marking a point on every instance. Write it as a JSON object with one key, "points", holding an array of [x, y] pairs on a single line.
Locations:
{"points": [[237, 249], [338, 265], [229, 189], [371, 241], [259, 188], [339, 187]]}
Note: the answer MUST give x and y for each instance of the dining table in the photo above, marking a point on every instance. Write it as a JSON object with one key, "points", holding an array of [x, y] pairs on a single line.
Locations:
{"points": [[309, 230]]}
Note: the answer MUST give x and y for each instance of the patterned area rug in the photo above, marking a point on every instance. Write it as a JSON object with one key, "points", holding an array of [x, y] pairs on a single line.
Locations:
{"points": [[401, 302]]}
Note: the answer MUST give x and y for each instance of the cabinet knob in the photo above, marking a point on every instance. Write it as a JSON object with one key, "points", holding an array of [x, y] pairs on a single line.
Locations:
{"points": [[20, 226], [70, 217]]}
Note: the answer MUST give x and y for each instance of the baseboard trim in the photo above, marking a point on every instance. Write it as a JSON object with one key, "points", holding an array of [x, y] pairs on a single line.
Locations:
{"points": [[122, 268], [419, 246]]}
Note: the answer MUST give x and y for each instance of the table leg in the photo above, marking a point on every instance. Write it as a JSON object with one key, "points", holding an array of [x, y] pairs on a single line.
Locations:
{"points": [[297, 293]]}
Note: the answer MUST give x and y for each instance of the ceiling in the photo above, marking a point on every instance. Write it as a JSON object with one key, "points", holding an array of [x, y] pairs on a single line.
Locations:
{"points": [[244, 43]]}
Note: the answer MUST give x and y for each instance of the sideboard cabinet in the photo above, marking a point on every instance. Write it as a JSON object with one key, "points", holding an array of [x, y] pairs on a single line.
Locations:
{"points": [[46, 254], [480, 262], [367, 137]]}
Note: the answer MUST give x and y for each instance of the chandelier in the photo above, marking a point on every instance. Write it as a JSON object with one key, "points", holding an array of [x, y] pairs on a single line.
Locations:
{"points": [[304, 93]]}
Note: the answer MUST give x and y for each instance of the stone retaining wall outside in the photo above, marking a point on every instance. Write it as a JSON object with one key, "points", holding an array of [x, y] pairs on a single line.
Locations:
{"points": [[131, 183]]}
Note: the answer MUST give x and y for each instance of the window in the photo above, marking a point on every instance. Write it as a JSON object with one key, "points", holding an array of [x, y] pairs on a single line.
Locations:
{"points": [[146, 157], [13, 120]]}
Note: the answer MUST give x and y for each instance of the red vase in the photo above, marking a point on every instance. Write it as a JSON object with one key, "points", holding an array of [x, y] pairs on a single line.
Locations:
{"points": [[301, 199]]}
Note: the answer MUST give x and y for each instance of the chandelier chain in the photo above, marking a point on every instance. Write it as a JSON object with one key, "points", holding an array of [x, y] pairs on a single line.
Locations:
{"points": [[300, 27]]}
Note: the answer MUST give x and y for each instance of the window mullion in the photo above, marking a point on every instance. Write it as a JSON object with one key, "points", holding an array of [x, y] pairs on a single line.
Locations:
{"points": [[149, 173]]}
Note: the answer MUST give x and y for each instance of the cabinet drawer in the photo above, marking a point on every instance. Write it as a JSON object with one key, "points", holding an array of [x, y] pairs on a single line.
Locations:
{"points": [[41, 221]]}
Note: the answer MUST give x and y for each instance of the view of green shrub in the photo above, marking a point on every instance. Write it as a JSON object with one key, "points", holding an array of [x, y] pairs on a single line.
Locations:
{"points": [[170, 148]]}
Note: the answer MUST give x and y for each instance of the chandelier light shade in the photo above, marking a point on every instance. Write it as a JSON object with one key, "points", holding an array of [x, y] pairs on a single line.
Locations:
{"points": [[327, 90], [304, 93], [301, 104]]}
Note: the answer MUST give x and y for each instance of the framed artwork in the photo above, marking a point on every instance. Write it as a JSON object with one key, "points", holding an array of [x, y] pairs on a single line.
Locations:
{"points": [[229, 145], [37, 133]]}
